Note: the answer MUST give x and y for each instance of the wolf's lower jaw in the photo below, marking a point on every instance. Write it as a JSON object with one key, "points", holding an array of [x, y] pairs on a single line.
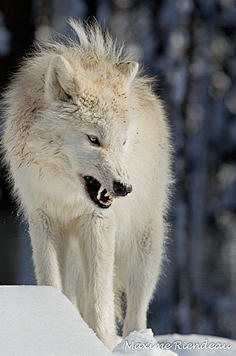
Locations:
{"points": [[97, 193]]}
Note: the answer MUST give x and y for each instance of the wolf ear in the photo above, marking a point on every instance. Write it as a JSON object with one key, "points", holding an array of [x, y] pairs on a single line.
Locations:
{"points": [[129, 71], [60, 80]]}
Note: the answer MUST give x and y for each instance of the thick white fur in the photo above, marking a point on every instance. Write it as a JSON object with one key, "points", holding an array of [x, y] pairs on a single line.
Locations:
{"points": [[61, 94]]}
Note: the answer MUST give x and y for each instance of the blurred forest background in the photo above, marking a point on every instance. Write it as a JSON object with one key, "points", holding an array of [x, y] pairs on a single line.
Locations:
{"points": [[190, 46]]}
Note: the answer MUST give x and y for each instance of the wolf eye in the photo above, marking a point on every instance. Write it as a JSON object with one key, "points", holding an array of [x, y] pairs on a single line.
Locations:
{"points": [[94, 140]]}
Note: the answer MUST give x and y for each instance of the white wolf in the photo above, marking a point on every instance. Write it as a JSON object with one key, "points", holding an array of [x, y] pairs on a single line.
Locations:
{"points": [[87, 145]]}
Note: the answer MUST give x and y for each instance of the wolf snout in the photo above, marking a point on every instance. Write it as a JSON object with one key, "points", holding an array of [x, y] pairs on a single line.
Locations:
{"points": [[121, 189]]}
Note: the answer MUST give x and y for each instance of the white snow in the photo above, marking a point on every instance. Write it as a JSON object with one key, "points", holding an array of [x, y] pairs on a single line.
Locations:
{"points": [[39, 321]]}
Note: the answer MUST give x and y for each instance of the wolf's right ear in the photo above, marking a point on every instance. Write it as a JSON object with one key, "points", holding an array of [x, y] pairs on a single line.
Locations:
{"points": [[59, 80], [129, 70]]}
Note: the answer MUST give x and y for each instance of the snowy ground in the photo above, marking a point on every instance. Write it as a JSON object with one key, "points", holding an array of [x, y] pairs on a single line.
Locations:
{"points": [[38, 321]]}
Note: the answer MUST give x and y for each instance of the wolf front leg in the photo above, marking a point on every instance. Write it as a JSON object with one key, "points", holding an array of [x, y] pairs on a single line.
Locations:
{"points": [[97, 239], [140, 275], [45, 243]]}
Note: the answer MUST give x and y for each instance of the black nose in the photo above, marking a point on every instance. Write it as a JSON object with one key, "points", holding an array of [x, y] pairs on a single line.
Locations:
{"points": [[122, 189]]}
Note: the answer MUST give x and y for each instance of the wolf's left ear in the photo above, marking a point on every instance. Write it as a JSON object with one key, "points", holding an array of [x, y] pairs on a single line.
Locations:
{"points": [[129, 71], [59, 80]]}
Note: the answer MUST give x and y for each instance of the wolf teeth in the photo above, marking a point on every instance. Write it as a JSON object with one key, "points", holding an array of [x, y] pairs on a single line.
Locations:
{"points": [[100, 192]]}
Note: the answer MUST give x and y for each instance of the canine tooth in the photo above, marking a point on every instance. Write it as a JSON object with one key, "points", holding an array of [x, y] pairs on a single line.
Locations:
{"points": [[106, 195], [99, 192]]}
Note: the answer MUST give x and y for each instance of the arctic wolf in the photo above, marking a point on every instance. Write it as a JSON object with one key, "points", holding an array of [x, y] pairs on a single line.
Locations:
{"points": [[87, 145]]}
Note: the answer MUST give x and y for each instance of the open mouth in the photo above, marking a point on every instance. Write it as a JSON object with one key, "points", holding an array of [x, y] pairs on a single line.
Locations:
{"points": [[98, 194]]}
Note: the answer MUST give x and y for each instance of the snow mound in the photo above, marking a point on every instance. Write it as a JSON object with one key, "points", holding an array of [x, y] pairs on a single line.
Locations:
{"points": [[141, 343], [39, 321]]}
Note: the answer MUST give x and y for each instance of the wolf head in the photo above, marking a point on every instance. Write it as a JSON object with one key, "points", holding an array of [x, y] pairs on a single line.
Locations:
{"points": [[88, 99]]}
